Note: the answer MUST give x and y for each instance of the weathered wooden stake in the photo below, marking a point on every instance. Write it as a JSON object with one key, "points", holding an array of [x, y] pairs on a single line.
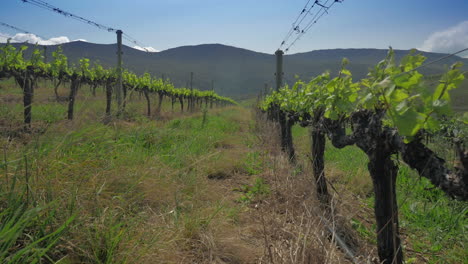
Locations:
{"points": [[279, 69], [191, 103], [108, 87], [283, 120], [119, 89]]}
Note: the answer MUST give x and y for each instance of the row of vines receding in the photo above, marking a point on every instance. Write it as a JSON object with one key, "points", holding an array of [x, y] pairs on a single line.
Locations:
{"points": [[391, 112], [28, 71]]}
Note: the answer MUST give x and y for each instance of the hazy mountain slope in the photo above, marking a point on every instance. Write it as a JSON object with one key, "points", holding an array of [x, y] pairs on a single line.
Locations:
{"points": [[236, 72]]}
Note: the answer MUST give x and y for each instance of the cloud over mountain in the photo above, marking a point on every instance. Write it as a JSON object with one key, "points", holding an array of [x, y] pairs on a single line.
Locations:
{"points": [[33, 39], [148, 49], [449, 40]]}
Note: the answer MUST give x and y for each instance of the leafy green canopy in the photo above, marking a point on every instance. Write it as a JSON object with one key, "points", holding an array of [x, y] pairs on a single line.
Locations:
{"points": [[12, 62], [400, 91]]}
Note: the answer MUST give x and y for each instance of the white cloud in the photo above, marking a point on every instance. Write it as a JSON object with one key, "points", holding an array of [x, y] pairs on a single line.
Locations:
{"points": [[449, 40], [148, 49], [4, 37], [33, 39]]}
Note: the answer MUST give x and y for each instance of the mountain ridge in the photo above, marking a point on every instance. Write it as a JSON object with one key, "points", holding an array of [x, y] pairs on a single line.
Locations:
{"points": [[236, 72]]}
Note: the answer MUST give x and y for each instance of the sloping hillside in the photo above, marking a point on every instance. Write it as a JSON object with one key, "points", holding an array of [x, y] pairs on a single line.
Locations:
{"points": [[236, 72]]}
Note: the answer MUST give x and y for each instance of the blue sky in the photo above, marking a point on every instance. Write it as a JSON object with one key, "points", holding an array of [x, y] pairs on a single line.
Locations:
{"points": [[258, 25]]}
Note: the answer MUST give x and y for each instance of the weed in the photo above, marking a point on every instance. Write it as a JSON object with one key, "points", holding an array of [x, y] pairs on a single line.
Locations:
{"points": [[118, 178], [258, 190], [363, 231], [105, 237], [253, 164]]}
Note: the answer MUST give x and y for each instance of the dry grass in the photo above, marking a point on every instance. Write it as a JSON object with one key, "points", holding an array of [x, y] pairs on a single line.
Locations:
{"points": [[138, 207], [131, 207], [294, 223]]}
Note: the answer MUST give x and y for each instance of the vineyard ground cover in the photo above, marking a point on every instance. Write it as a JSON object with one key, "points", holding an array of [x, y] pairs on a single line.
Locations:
{"points": [[171, 188], [433, 226], [87, 106], [167, 189], [138, 188]]}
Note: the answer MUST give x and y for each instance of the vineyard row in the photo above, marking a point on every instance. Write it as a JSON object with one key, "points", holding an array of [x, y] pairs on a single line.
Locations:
{"points": [[391, 112], [27, 72]]}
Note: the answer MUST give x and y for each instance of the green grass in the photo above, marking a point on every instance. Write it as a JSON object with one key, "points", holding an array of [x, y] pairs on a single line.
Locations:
{"points": [[137, 186], [255, 191], [104, 165], [28, 231], [436, 225], [253, 164], [432, 223]]}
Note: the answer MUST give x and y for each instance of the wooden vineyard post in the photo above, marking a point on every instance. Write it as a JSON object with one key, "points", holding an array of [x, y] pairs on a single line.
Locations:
{"points": [[191, 103], [119, 89], [212, 89], [279, 69], [108, 87], [284, 122]]}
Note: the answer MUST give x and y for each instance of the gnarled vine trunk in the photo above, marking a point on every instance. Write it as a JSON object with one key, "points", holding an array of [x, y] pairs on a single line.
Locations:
{"points": [[318, 141], [93, 88], [148, 102], [26, 82], [56, 86], [161, 97], [371, 137], [181, 100], [108, 97], [384, 172], [173, 100], [432, 167], [318, 163], [375, 140]]}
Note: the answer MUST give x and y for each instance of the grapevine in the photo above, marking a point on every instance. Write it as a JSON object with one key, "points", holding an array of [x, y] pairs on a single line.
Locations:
{"points": [[27, 71], [385, 114]]}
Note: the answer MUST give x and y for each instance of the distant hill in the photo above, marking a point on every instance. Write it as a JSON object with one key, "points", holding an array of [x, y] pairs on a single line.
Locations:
{"points": [[236, 72]]}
